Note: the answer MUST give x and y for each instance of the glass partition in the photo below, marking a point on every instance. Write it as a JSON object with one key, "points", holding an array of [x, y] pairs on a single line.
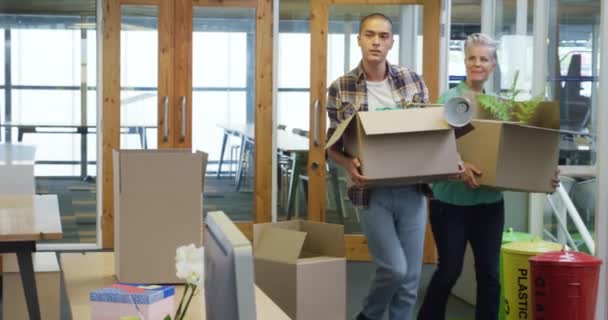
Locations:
{"points": [[48, 61], [223, 50], [139, 77]]}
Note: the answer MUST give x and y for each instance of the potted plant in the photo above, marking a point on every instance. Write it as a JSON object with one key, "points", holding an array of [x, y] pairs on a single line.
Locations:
{"points": [[506, 107]]}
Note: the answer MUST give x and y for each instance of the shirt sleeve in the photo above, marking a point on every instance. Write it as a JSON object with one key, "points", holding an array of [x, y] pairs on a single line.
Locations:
{"points": [[425, 91], [333, 105], [422, 94]]}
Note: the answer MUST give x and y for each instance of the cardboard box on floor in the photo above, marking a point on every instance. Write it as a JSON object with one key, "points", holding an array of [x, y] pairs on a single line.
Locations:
{"points": [[157, 208], [399, 147], [514, 156], [301, 266]]}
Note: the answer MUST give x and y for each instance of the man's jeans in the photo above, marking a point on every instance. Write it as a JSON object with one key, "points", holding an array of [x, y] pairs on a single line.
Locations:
{"points": [[453, 227], [394, 224]]}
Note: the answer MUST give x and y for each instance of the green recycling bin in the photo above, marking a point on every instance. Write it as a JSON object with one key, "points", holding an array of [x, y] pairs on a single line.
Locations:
{"points": [[516, 279], [507, 237]]}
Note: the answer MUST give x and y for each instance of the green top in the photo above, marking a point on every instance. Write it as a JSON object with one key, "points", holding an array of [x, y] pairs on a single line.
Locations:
{"points": [[456, 192]]}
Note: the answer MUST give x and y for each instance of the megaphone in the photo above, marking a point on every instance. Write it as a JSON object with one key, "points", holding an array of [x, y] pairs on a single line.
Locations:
{"points": [[458, 112]]}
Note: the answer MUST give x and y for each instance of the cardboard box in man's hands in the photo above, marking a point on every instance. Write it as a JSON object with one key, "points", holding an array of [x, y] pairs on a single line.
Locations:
{"points": [[400, 147]]}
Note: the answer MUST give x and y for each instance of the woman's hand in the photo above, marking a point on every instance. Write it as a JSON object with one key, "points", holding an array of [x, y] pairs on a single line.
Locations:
{"points": [[355, 174], [458, 176], [470, 174]]}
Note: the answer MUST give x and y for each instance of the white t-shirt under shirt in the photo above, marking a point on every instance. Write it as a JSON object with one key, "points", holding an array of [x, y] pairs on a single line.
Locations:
{"points": [[380, 95]]}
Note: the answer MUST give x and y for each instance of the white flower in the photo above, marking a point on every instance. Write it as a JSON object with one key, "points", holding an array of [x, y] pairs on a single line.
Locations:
{"points": [[190, 264]]}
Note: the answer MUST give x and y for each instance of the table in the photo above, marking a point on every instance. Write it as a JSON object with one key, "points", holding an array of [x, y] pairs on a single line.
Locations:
{"points": [[23, 221], [286, 141], [86, 272], [82, 130]]}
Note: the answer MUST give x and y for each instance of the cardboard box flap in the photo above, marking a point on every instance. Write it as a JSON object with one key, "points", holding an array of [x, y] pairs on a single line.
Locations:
{"points": [[280, 245], [324, 239], [123, 158], [339, 131], [260, 228], [403, 121]]}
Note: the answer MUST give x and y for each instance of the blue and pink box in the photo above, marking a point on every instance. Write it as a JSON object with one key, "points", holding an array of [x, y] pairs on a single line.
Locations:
{"points": [[150, 302]]}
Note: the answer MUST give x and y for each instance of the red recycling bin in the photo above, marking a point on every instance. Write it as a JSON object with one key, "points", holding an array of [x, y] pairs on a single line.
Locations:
{"points": [[564, 285]]}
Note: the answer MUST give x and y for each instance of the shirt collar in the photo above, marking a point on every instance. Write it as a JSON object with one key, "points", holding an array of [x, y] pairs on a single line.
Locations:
{"points": [[392, 72], [464, 86]]}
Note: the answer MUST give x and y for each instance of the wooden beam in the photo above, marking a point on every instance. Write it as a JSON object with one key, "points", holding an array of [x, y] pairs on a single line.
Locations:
{"points": [[318, 96], [227, 3], [140, 2], [166, 74], [110, 113], [182, 122], [263, 112], [246, 228], [356, 247], [431, 45]]}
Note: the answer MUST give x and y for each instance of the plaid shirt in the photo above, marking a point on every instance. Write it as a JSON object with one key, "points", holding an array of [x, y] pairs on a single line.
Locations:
{"points": [[348, 95]]}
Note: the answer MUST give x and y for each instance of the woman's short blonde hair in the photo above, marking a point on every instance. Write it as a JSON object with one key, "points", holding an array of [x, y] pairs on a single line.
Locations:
{"points": [[480, 39]]}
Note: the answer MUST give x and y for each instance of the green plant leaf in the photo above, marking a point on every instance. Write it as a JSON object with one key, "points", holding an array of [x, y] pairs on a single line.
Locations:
{"points": [[167, 317], [513, 89], [498, 107], [505, 106], [525, 109]]}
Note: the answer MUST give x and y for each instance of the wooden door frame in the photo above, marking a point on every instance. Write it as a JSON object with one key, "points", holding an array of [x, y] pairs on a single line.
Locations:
{"points": [[111, 94], [356, 245], [175, 62]]}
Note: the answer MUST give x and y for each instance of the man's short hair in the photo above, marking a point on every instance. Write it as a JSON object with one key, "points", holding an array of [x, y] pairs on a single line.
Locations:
{"points": [[375, 15]]}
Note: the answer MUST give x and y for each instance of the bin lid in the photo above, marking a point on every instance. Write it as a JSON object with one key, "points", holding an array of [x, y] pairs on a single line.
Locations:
{"points": [[513, 236], [532, 247], [566, 258]]}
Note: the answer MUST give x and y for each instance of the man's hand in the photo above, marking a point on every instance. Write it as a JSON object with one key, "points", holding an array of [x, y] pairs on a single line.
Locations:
{"points": [[355, 175], [555, 179], [470, 174]]}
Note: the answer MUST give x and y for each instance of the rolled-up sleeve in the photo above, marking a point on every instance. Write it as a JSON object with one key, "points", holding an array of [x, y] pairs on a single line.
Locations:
{"points": [[333, 104], [423, 92]]}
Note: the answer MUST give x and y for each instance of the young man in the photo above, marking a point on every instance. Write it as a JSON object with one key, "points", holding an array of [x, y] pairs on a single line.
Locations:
{"points": [[392, 218]]}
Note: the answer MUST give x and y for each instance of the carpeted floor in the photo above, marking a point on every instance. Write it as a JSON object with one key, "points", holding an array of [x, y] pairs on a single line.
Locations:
{"points": [[78, 205]]}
